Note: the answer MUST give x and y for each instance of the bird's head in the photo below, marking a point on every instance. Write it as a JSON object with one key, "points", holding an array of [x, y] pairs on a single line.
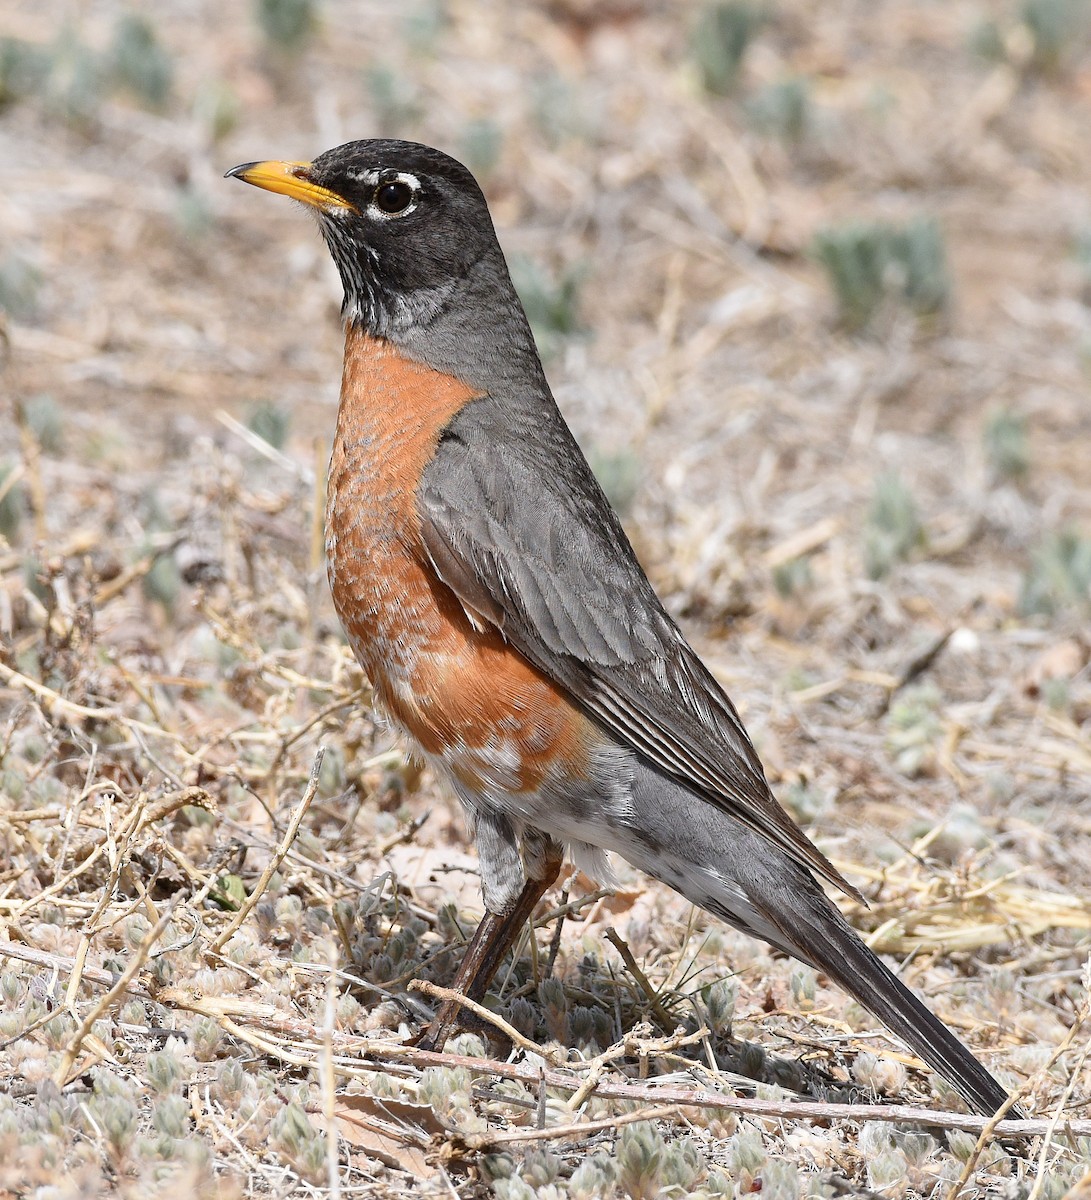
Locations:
{"points": [[404, 223]]}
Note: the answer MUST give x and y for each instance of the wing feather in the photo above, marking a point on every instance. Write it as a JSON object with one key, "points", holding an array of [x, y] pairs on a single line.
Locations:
{"points": [[520, 531]]}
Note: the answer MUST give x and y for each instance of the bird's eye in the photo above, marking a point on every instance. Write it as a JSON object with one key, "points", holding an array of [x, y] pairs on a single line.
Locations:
{"points": [[393, 198]]}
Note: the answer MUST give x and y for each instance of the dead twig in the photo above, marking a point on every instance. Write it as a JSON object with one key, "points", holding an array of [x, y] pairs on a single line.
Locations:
{"points": [[356, 1054], [483, 1142], [667, 1023], [139, 958], [281, 852], [484, 1014]]}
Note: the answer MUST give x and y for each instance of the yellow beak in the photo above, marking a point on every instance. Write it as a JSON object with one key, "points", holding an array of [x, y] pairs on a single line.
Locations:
{"points": [[290, 179]]}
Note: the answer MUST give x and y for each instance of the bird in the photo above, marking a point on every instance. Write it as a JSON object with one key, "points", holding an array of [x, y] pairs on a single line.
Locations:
{"points": [[488, 590]]}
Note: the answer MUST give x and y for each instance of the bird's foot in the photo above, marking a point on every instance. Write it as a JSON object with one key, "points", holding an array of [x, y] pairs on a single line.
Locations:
{"points": [[445, 1024]]}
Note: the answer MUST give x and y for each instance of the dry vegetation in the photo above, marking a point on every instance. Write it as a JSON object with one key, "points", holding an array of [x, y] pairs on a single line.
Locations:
{"points": [[814, 285]]}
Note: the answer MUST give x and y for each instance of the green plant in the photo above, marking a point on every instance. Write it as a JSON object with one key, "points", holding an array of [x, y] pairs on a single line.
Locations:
{"points": [[682, 1165], [1059, 575], [481, 143], [12, 499], [854, 257], [287, 25], [721, 35], [913, 727], [793, 577], [216, 107], [20, 282], [424, 24], [22, 69], [1082, 253], [163, 582], [893, 528], [171, 1117], [139, 62], [868, 263], [193, 214], [803, 988], [806, 802], [619, 474], [783, 109], [593, 1178], [73, 86], [1006, 445], [164, 1070], [747, 1156], [987, 41], [540, 1168], [780, 1180], [1057, 28], [514, 1188], [886, 1170], [557, 109], [270, 422], [720, 998], [639, 1151], [45, 420], [918, 249], [554, 1002], [112, 1110], [394, 98], [292, 1133], [552, 302], [720, 1185], [523, 1015]]}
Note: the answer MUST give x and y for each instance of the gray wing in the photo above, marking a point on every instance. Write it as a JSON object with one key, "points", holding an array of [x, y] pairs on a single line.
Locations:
{"points": [[517, 526]]}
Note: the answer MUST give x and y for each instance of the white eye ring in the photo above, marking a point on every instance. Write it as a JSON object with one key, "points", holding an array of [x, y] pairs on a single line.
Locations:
{"points": [[403, 180]]}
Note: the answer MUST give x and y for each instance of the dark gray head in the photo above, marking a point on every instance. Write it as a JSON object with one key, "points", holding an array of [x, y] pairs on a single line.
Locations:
{"points": [[404, 223]]}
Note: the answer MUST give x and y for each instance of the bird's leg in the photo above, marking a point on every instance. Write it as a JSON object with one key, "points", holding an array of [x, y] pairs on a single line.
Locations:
{"points": [[493, 938]]}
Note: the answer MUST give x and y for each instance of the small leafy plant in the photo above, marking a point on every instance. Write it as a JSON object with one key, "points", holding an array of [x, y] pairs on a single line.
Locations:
{"points": [[870, 264]]}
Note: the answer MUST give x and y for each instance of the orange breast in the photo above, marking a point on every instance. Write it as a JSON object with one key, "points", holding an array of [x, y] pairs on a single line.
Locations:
{"points": [[463, 694]]}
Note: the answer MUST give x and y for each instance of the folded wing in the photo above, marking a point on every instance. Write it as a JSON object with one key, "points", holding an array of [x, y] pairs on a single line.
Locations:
{"points": [[518, 528]]}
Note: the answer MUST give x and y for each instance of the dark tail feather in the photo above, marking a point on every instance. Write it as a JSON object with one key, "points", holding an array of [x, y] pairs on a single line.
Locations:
{"points": [[689, 844], [811, 923]]}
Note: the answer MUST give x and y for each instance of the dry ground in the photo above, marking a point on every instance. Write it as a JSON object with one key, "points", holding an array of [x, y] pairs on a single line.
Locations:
{"points": [[170, 664]]}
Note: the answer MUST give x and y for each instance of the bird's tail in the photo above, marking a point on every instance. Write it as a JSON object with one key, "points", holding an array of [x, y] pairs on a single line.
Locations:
{"points": [[736, 874], [811, 923]]}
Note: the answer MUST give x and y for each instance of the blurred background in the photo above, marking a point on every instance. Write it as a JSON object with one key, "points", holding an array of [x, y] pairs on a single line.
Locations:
{"points": [[782, 263], [813, 287]]}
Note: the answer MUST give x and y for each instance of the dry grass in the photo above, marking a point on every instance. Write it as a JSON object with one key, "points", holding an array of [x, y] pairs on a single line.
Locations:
{"points": [[878, 538]]}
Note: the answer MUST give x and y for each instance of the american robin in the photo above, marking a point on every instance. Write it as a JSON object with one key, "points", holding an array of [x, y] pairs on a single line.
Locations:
{"points": [[488, 590]]}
